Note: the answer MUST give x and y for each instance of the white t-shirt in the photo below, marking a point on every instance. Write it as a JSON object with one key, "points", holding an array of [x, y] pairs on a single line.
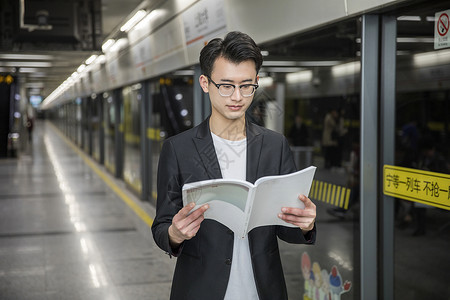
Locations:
{"points": [[232, 156]]}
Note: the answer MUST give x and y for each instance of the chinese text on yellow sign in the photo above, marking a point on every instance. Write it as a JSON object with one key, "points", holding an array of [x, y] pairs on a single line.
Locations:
{"points": [[417, 185]]}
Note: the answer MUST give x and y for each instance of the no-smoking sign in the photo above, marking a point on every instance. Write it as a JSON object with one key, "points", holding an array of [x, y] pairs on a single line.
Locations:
{"points": [[441, 30]]}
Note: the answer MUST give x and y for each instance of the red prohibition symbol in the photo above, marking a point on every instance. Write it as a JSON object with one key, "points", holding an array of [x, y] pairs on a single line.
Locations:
{"points": [[443, 24]]}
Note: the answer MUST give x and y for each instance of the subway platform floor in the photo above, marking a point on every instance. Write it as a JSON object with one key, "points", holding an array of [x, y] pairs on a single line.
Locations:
{"points": [[65, 234], [70, 230]]}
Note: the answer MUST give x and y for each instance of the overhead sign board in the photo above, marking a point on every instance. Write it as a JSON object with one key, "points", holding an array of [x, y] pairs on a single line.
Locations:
{"points": [[203, 20], [417, 185], [441, 29]]}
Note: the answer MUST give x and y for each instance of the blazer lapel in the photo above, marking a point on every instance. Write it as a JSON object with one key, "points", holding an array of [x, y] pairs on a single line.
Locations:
{"points": [[254, 146], [205, 148], [207, 153]]}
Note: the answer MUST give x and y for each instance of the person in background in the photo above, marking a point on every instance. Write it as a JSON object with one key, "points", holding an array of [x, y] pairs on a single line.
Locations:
{"points": [[341, 134], [213, 262], [298, 134], [29, 122], [329, 137]]}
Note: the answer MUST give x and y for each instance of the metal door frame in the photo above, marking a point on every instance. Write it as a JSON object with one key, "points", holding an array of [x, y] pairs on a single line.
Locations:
{"points": [[378, 73], [369, 156]]}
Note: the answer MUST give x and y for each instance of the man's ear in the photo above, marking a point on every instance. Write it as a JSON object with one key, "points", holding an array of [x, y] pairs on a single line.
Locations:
{"points": [[203, 80]]}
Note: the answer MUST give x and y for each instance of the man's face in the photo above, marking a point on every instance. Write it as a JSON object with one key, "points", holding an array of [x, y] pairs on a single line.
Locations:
{"points": [[232, 107]]}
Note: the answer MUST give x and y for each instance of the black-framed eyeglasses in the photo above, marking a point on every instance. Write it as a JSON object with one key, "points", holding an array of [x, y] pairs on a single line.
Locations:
{"points": [[227, 89]]}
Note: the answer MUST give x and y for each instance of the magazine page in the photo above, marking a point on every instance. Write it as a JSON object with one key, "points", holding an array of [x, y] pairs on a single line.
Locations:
{"points": [[274, 192], [229, 215], [226, 198]]}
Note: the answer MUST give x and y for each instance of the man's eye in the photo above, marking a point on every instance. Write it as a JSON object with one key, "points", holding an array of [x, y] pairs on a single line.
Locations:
{"points": [[246, 87], [227, 87]]}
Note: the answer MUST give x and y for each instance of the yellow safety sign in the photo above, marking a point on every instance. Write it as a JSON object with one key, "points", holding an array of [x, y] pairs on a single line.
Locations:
{"points": [[416, 185]]}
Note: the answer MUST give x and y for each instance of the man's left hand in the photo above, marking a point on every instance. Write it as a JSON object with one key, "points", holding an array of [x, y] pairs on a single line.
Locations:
{"points": [[300, 217]]}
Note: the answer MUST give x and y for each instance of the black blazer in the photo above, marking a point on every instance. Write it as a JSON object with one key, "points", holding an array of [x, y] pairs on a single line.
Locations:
{"points": [[204, 262]]}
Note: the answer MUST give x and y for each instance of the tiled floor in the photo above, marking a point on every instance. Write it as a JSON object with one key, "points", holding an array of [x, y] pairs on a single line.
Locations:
{"points": [[64, 234]]}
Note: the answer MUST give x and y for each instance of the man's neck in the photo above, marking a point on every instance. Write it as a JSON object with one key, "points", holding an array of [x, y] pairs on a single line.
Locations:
{"points": [[233, 130]]}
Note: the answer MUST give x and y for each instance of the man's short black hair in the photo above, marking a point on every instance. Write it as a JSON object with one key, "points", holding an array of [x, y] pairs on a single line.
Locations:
{"points": [[236, 47]]}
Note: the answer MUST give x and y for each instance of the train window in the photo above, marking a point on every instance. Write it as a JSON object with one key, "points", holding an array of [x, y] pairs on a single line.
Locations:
{"points": [[78, 119], [86, 105], [310, 91], [95, 126], [171, 112], [422, 144], [72, 122], [109, 121], [132, 105], [173, 101]]}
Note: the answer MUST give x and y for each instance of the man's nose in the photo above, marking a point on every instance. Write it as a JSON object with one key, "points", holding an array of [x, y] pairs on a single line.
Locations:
{"points": [[236, 96]]}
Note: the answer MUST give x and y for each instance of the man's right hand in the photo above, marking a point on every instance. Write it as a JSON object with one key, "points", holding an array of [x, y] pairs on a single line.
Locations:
{"points": [[184, 225]]}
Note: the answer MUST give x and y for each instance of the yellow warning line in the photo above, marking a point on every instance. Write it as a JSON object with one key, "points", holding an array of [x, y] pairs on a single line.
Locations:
{"points": [[319, 196], [347, 197], [333, 194], [338, 196], [341, 204], [128, 201]]}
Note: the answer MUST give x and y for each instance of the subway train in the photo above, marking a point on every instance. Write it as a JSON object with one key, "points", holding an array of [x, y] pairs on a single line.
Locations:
{"points": [[373, 71]]}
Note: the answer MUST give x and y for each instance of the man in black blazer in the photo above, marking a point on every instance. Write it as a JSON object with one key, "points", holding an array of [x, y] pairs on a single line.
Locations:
{"points": [[212, 263]]}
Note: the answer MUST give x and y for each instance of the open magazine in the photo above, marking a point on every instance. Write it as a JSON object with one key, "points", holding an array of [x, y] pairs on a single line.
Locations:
{"points": [[242, 206]]}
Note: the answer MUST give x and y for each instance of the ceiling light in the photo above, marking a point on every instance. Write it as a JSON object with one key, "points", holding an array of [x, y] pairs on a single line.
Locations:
{"points": [[28, 70], [318, 63], [26, 56], [108, 44], [280, 63], [91, 59], [144, 22], [346, 69], [81, 68], [119, 44], [139, 15], [184, 73], [37, 75], [265, 81], [7, 70], [283, 70], [409, 18], [32, 64], [415, 40], [432, 58], [302, 76], [312, 63], [152, 15], [101, 59]]}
